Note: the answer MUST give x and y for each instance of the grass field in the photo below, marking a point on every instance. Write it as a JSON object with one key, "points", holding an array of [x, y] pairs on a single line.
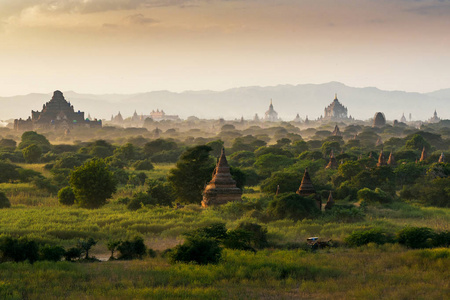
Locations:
{"points": [[370, 272]]}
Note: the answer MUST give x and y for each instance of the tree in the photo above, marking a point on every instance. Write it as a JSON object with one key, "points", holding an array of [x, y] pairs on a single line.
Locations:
{"points": [[92, 183], [8, 172], [8, 144], [161, 193], [197, 249], [292, 206], [86, 245], [112, 246], [417, 142], [132, 249], [268, 163], [159, 145], [4, 201], [66, 196], [31, 137], [193, 170], [32, 153]]}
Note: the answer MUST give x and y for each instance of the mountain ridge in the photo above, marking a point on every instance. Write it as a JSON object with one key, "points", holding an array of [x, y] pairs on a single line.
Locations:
{"points": [[288, 100]]}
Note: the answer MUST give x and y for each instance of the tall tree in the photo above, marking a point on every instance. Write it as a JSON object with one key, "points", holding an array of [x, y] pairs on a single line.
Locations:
{"points": [[193, 170], [92, 183]]}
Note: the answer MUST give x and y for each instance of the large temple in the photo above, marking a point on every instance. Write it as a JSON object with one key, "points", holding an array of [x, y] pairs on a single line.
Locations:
{"points": [[55, 114], [335, 111], [222, 187], [271, 115]]}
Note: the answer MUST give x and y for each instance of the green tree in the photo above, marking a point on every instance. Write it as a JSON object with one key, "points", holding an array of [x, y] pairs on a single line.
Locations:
{"points": [[8, 172], [417, 142], [328, 146], [85, 246], [292, 206], [4, 201], [32, 153], [159, 145], [31, 137], [66, 196], [161, 193], [92, 184], [192, 171], [268, 163]]}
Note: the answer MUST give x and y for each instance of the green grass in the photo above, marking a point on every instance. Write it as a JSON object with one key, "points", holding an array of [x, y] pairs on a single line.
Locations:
{"points": [[388, 272]]}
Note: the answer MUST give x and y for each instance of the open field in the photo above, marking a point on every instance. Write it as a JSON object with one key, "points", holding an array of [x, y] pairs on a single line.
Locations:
{"points": [[371, 272]]}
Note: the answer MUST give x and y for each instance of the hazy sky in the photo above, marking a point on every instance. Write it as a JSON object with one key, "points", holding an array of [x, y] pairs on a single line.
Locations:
{"points": [[127, 46]]}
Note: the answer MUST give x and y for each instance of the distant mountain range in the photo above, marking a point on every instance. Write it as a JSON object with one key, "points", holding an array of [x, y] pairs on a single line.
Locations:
{"points": [[288, 100]]}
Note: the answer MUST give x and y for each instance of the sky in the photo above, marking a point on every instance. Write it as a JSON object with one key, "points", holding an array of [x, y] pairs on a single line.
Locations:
{"points": [[132, 46]]}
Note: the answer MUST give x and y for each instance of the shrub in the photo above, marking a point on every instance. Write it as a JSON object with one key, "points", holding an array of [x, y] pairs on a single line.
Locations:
{"points": [[138, 200], [132, 249], [143, 165], [239, 239], [73, 253], [416, 237], [442, 239], [292, 206], [32, 153], [17, 250], [373, 196], [4, 201], [344, 214], [216, 231], [258, 238], [66, 196], [52, 253], [200, 250], [375, 235]]}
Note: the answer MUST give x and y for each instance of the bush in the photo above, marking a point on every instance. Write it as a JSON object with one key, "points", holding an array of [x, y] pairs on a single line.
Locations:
{"points": [[416, 237], [292, 206], [73, 253], [215, 231], [132, 249], [442, 239], [239, 239], [52, 253], [375, 235], [344, 214], [200, 250], [4, 201], [138, 200], [17, 250], [32, 153], [143, 165], [66, 196], [374, 196], [258, 238]]}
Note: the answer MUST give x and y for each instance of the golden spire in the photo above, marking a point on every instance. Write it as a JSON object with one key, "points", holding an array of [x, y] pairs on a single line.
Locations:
{"points": [[335, 96]]}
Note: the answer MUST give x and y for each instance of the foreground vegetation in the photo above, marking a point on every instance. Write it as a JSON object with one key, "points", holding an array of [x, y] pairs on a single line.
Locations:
{"points": [[154, 189], [371, 272]]}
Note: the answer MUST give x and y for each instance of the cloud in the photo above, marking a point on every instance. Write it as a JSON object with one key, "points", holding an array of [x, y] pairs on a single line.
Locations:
{"points": [[16, 7], [140, 19]]}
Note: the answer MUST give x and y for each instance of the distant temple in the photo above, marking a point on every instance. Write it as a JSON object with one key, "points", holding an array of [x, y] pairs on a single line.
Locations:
{"points": [[330, 202], [271, 115], [160, 115], [335, 111], [403, 118], [391, 160], [333, 164], [222, 187], [423, 156], [434, 118], [381, 159], [297, 119], [379, 120], [56, 114], [336, 131]]}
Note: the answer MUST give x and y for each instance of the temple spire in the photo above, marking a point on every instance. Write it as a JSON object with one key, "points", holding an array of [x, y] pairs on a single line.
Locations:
{"points": [[306, 187], [381, 159], [423, 156], [391, 160], [330, 202], [441, 158]]}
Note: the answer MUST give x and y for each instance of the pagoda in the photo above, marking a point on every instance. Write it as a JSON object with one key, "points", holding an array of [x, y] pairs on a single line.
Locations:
{"points": [[335, 111], [271, 115], [336, 131], [381, 159], [441, 158], [333, 162], [423, 156], [57, 113], [379, 120], [222, 187], [330, 202], [391, 160], [307, 189]]}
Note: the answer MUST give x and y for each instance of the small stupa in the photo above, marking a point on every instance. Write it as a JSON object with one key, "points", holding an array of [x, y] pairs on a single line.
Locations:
{"points": [[336, 131], [391, 160], [381, 159], [330, 202], [306, 187], [441, 158], [333, 162], [222, 187], [423, 156]]}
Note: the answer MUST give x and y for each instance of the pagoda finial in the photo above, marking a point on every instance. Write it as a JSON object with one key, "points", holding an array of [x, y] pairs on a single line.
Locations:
{"points": [[270, 101], [335, 96]]}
